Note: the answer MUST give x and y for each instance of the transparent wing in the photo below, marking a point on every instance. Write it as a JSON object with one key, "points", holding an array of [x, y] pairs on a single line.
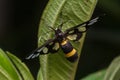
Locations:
{"points": [[49, 47], [75, 33]]}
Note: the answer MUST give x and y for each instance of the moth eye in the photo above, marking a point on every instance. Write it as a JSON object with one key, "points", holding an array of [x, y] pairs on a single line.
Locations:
{"points": [[45, 50], [72, 37], [56, 46]]}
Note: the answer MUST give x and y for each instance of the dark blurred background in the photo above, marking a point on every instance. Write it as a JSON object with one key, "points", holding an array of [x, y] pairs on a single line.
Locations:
{"points": [[19, 22]]}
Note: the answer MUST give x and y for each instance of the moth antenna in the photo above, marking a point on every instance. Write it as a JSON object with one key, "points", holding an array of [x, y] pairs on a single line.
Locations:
{"points": [[52, 28], [61, 25], [45, 22]]}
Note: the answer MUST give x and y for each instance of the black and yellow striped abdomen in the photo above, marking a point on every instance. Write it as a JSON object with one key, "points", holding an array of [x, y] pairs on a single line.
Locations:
{"points": [[70, 52]]}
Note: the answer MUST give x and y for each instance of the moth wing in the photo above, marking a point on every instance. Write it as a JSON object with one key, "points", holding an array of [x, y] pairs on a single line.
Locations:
{"points": [[75, 36], [44, 49], [54, 47], [75, 33]]}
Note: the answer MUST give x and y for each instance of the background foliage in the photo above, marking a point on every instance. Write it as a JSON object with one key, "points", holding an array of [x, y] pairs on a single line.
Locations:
{"points": [[19, 24]]}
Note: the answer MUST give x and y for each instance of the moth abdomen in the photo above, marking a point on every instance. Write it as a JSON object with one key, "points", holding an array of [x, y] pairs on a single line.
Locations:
{"points": [[70, 53], [73, 58]]}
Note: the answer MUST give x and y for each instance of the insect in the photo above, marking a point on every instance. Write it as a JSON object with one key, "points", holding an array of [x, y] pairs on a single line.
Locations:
{"points": [[62, 40]]}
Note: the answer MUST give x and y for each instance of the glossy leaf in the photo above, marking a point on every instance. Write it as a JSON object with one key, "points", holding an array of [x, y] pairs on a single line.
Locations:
{"points": [[11, 68], [99, 75], [7, 69], [113, 72], [21, 67]]}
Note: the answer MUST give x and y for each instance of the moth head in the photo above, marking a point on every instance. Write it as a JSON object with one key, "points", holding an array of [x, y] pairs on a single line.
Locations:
{"points": [[59, 35]]}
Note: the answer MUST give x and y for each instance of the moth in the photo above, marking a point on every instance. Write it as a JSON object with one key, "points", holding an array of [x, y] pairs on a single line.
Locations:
{"points": [[62, 40]]}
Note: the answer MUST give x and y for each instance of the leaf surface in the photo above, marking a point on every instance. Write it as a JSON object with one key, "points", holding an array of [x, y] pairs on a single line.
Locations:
{"points": [[7, 69], [21, 67], [99, 75]]}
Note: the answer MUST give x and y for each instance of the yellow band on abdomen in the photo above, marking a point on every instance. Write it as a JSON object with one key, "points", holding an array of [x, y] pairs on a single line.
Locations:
{"points": [[71, 53], [64, 42]]}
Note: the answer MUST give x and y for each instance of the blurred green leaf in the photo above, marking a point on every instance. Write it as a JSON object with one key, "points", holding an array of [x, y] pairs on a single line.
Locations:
{"points": [[55, 66], [11, 68], [40, 76], [7, 69], [113, 72], [99, 75], [21, 67]]}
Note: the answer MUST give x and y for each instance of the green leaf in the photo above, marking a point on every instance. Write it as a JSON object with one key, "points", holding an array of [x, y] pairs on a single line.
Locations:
{"points": [[55, 66], [13, 70], [113, 72], [21, 67], [99, 75], [7, 70], [40, 76]]}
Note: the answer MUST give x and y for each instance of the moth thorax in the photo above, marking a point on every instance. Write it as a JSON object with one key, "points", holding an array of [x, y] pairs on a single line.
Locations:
{"points": [[60, 38]]}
